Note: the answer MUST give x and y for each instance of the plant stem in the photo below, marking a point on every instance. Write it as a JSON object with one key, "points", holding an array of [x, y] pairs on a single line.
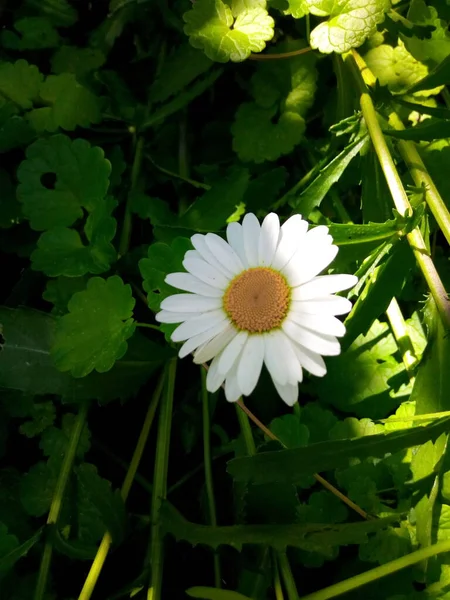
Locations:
{"points": [[276, 579], [279, 56], [393, 566], [397, 190], [105, 545], [401, 334], [160, 483], [149, 326], [208, 471], [58, 497], [421, 177], [286, 574], [127, 219]]}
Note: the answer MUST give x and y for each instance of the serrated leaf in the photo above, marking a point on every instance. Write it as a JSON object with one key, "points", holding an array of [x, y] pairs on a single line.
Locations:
{"points": [[60, 12], [37, 488], [311, 537], [162, 260], [79, 61], [55, 441], [15, 132], [386, 545], [20, 83], [290, 431], [297, 8], [322, 507], [42, 415], [69, 105], [35, 33], [318, 420], [351, 22], [313, 195], [290, 465], [59, 291], [431, 129], [430, 51], [226, 35], [93, 334], [82, 180], [26, 364], [395, 67], [16, 551], [351, 234], [438, 76]]}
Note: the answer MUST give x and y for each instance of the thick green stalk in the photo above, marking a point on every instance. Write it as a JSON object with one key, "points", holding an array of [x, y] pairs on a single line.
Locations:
{"points": [[401, 334], [286, 574], [393, 566], [160, 483], [105, 545], [398, 193], [58, 497], [208, 471]]}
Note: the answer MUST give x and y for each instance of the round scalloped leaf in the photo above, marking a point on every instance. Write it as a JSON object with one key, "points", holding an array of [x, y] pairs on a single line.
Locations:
{"points": [[20, 82], [35, 33], [70, 105], [58, 178], [79, 61], [351, 22], [93, 334], [256, 138], [211, 27], [59, 12]]}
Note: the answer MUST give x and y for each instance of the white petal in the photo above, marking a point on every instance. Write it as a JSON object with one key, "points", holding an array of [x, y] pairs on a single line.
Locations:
{"points": [[288, 392], [201, 338], [291, 234], [327, 345], [189, 283], [319, 323], [310, 361], [165, 316], [224, 253], [231, 352], [324, 285], [235, 237], [280, 359], [213, 347], [318, 232], [198, 325], [190, 303], [206, 272], [251, 230], [250, 364], [327, 305], [232, 389], [214, 379], [268, 240], [308, 262], [199, 243]]}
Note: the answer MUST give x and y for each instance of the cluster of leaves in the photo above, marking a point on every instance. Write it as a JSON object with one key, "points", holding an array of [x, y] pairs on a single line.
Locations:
{"points": [[127, 126]]}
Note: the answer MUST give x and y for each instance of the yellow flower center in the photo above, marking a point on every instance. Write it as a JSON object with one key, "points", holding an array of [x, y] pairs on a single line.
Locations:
{"points": [[257, 300]]}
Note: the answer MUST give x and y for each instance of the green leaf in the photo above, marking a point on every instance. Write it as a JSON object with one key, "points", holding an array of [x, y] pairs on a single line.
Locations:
{"points": [[43, 415], [322, 507], [318, 420], [100, 509], [395, 67], [318, 189], [438, 76], [59, 291], [61, 251], [93, 335], [35, 33], [180, 69], [69, 105], [162, 260], [290, 432], [386, 545], [351, 22], [289, 465], [431, 129], [26, 364], [214, 594], [20, 83], [211, 211], [311, 537], [10, 209], [82, 180], [37, 488], [16, 551], [430, 51], [349, 235], [225, 33], [55, 441], [60, 12], [15, 132], [297, 8], [264, 190], [79, 61]]}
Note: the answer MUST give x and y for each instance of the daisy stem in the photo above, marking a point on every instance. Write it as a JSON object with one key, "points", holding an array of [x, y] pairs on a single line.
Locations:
{"points": [[286, 574], [102, 552], [326, 484], [208, 471], [401, 335], [281, 55], [125, 235], [276, 580], [375, 574], [57, 499], [160, 483], [399, 196]]}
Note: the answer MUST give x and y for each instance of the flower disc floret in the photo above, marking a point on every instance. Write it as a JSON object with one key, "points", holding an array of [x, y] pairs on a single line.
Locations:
{"points": [[258, 299]]}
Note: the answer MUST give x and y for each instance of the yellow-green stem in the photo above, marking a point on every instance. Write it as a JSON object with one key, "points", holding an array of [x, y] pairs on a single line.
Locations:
{"points": [[127, 218]]}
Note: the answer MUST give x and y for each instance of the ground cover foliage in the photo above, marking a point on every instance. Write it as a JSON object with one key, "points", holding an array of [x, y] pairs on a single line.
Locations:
{"points": [[126, 127]]}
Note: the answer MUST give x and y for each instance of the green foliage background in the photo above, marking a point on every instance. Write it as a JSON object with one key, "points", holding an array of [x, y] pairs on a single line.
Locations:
{"points": [[127, 126]]}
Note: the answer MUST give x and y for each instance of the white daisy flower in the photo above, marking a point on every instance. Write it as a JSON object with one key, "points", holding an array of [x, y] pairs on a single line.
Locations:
{"points": [[259, 299]]}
